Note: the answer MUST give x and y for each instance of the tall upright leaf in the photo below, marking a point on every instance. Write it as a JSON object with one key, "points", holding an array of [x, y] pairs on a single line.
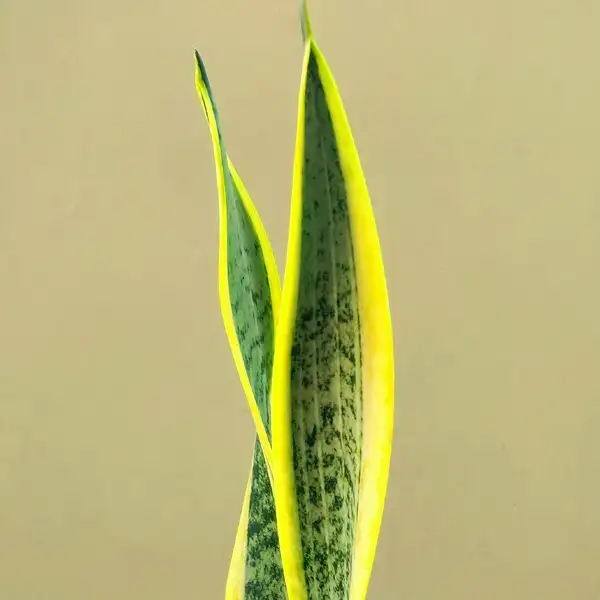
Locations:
{"points": [[333, 377], [249, 290], [249, 287]]}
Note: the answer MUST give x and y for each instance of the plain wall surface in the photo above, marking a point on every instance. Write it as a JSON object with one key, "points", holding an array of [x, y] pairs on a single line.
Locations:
{"points": [[125, 439]]}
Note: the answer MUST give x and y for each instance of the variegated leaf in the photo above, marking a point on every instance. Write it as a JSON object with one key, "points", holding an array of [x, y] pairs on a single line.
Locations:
{"points": [[249, 292], [333, 377]]}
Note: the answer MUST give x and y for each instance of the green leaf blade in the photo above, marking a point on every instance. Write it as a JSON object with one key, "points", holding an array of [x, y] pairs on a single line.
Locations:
{"points": [[326, 392], [333, 382], [250, 298], [249, 287], [249, 291], [264, 571]]}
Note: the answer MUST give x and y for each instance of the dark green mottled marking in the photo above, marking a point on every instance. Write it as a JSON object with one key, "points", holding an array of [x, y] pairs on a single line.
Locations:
{"points": [[249, 289], [326, 363], [264, 571], [250, 296], [252, 310], [253, 317]]}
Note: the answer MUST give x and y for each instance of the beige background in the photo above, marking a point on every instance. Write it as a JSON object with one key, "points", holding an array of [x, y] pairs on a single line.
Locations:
{"points": [[124, 437]]}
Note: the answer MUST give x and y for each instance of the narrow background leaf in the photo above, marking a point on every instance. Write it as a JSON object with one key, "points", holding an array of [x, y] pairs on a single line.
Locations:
{"points": [[249, 285], [249, 289]]}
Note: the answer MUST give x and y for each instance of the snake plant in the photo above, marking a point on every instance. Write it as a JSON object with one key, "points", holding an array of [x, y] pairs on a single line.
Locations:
{"points": [[314, 356]]}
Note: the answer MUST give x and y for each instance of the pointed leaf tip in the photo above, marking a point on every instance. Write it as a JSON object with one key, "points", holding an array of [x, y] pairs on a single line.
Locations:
{"points": [[200, 64], [305, 21], [204, 89]]}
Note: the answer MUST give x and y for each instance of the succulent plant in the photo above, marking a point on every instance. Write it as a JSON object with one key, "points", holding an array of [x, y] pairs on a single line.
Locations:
{"points": [[314, 356]]}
